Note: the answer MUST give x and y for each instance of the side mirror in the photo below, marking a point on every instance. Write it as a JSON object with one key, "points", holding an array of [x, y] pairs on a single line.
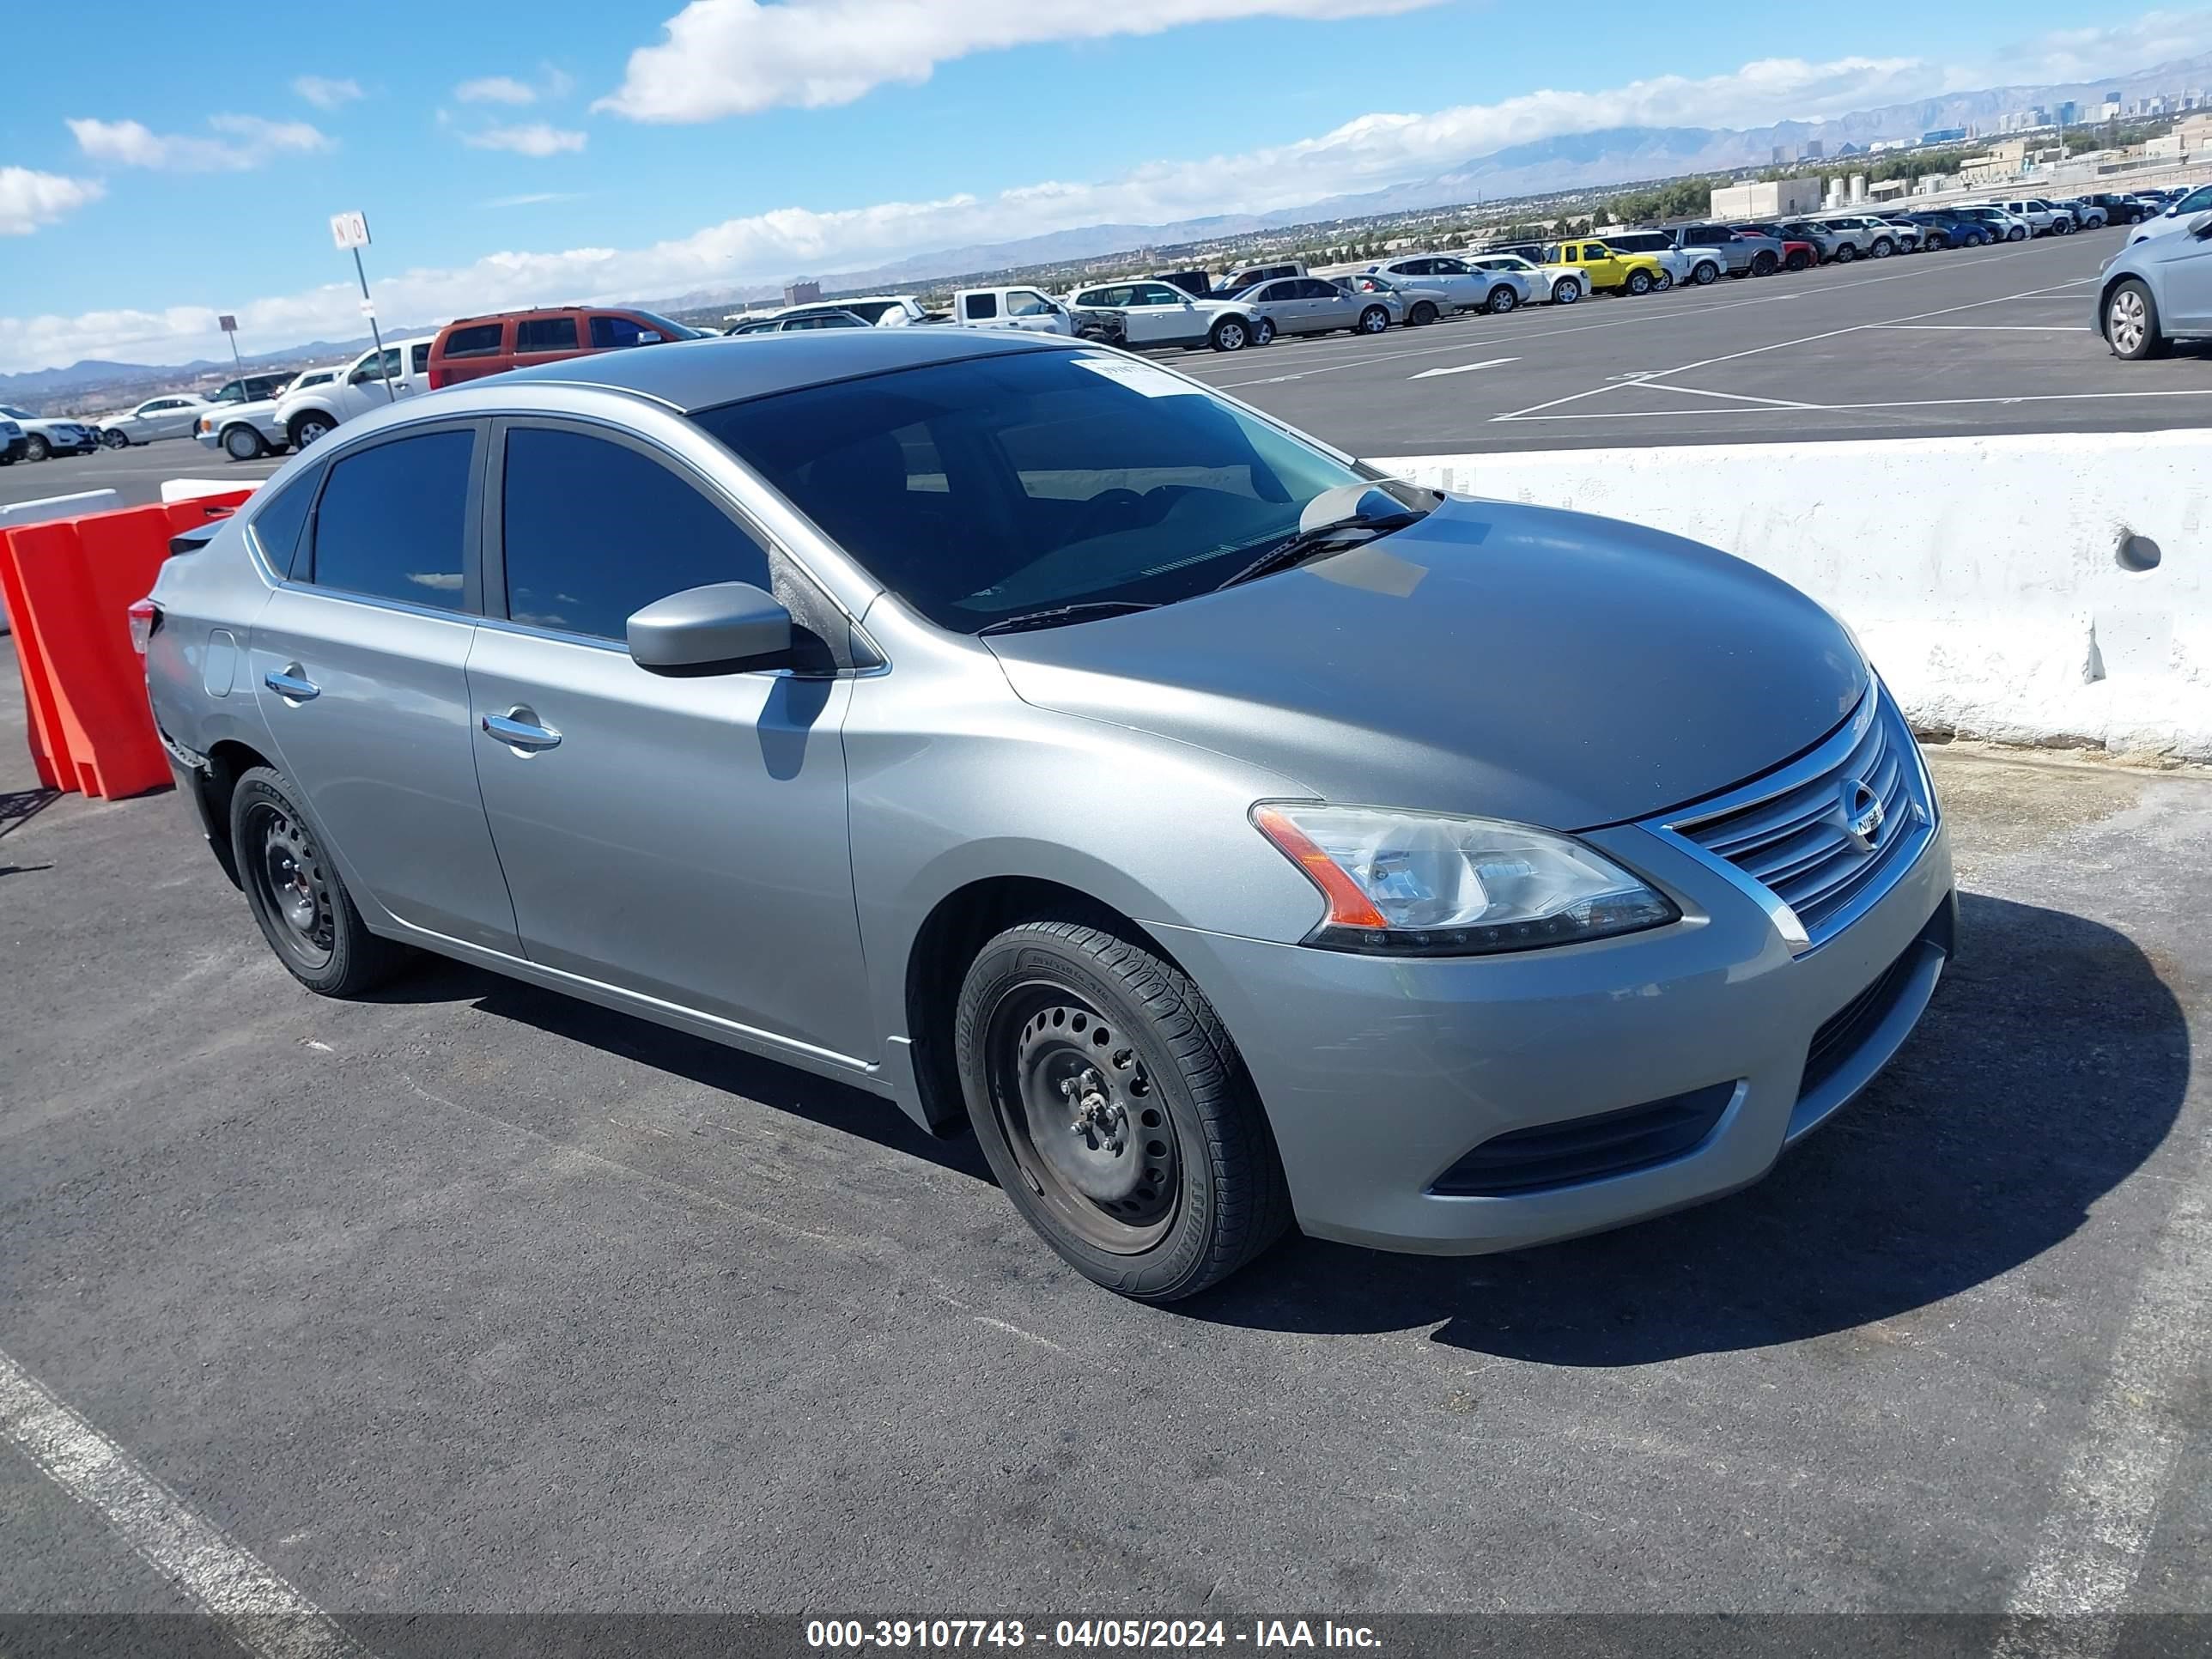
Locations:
{"points": [[724, 627]]}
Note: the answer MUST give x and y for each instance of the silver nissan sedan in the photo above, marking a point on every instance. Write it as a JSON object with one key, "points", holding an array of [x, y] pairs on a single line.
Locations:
{"points": [[1232, 837]]}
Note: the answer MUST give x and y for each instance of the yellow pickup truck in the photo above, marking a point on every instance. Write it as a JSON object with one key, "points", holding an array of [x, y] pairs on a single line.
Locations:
{"points": [[1608, 272]]}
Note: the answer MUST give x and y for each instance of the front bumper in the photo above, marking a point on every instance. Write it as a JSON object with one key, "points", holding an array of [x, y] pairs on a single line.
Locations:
{"points": [[1380, 1074]]}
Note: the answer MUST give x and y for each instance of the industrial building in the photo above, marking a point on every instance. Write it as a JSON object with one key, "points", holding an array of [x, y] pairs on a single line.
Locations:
{"points": [[1779, 198]]}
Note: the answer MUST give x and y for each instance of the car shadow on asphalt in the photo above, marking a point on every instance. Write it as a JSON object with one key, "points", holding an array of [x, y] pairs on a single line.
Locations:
{"points": [[767, 1082], [2052, 1064]]}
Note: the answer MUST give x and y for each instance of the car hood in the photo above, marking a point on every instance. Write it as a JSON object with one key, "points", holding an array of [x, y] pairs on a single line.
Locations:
{"points": [[1518, 662]]}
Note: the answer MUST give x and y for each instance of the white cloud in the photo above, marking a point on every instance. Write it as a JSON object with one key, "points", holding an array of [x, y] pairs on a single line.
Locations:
{"points": [[495, 89], [251, 142], [533, 138], [1371, 151], [28, 199], [324, 93], [735, 56]]}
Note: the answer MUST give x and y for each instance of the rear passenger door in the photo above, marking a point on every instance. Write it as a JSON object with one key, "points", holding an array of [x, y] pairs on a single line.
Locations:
{"points": [[1332, 308], [358, 663], [542, 339], [681, 839], [1160, 315]]}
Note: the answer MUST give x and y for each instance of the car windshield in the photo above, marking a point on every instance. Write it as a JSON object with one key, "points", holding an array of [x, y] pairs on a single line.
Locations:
{"points": [[980, 489]]}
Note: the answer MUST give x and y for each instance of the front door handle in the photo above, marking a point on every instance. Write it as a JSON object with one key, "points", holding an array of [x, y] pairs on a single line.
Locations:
{"points": [[520, 734], [288, 684]]}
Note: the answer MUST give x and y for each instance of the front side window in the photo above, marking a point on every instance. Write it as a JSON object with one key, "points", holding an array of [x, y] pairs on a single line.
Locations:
{"points": [[1022, 303], [545, 334], [618, 333], [993, 487], [478, 340], [393, 522], [580, 560]]}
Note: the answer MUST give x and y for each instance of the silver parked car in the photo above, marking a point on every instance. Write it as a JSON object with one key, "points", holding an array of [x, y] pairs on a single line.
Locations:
{"points": [[1034, 738], [1308, 305]]}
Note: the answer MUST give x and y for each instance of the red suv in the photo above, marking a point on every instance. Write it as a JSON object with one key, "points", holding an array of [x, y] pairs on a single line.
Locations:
{"points": [[470, 347]]}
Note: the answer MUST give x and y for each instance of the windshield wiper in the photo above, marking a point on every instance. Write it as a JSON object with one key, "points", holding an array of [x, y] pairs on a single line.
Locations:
{"points": [[1053, 615], [1304, 543]]}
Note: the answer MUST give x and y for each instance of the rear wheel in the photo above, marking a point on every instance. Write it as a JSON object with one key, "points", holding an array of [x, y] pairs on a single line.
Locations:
{"points": [[2131, 323], [1422, 314], [1639, 283], [1797, 261], [1566, 291], [1374, 321], [297, 895], [1263, 331], [1115, 1111], [243, 443]]}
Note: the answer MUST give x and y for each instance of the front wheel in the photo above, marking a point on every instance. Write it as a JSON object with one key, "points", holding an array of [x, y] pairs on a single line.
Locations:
{"points": [[1845, 252], [1374, 321], [2017, 233], [1764, 263], [309, 428], [297, 895], [1706, 274], [114, 441], [1115, 1111], [1797, 261], [243, 443], [1502, 299], [1662, 281], [1883, 247], [36, 448], [1228, 334], [2131, 323], [1639, 283], [1566, 291]]}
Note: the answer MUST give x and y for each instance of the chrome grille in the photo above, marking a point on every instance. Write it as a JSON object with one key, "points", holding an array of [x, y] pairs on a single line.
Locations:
{"points": [[1798, 834]]}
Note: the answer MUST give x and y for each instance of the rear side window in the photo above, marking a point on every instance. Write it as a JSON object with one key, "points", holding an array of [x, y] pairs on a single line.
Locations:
{"points": [[276, 526], [545, 334], [581, 556], [393, 522], [980, 307], [479, 340]]}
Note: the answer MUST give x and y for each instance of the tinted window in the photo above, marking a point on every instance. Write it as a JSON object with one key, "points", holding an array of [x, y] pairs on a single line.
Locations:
{"points": [[1447, 268], [545, 334], [1275, 292], [278, 523], [997, 485], [595, 530], [1159, 294], [1314, 288], [613, 333], [419, 357], [392, 521], [480, 340], [980, 307]]}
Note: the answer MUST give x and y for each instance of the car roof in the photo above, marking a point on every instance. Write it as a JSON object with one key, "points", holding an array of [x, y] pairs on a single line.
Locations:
{"points": [[695, 374]]}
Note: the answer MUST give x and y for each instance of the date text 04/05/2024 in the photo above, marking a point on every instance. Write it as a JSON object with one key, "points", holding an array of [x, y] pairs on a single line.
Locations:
{"points": [[929, 1634]]}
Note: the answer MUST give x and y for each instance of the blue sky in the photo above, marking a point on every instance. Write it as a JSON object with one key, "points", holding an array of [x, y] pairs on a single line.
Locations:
{"points": [[168, 164]]}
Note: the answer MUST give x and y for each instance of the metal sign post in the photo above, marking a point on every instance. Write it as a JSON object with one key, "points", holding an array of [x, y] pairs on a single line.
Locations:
{"points": [[228, 324], [350, 231]]}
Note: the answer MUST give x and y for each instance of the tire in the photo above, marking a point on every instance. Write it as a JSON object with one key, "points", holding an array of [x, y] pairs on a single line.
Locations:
{"points": [[2130, 322], [297, 895], [1706, 274], [114, 441], [1229, 334], [1639, 282], [2017, 233], [1662, 281], [1845, 252], [1797, 261], [243, 443], [1502, 299], [1764, 263], [1422, 314], [310, 424], [1263, 331], [1883, 248], [1374, 321], [1060, 1114], [36, 448], [1566, 291]]}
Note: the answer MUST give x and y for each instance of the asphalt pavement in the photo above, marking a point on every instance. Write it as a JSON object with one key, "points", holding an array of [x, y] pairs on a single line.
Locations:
{"points": [[471, 1297]]}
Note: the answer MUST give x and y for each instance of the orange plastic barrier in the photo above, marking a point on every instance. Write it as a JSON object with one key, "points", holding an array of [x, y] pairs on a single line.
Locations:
{"points": [[68, 585]]}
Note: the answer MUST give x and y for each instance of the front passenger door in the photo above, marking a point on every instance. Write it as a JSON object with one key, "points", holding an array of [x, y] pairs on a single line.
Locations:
{"points": [[683, 839]]}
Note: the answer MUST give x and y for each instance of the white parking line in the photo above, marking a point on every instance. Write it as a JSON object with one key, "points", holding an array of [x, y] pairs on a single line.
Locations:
{"points": [[1988, 328], [1733, 396], [2092, 1544], [263, 1614], [1461, 368]]}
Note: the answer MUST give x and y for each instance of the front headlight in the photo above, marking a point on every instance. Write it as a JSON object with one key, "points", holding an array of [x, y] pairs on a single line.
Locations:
{"points": [[1419, 884]]}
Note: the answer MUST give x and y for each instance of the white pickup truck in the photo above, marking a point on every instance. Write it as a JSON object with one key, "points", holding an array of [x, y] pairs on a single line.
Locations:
{"points": [[1028, 308], [402, 369]]}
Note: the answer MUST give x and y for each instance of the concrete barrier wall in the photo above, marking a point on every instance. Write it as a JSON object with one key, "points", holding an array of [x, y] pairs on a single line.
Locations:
{"points": [[45, 510], [2045, 589]]}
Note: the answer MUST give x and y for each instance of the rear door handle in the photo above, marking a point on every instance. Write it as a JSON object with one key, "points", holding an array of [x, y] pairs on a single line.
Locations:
{"points": [[520, 734], [288, 685]]}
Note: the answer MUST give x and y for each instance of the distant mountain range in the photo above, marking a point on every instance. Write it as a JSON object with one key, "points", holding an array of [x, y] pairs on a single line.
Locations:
{"points": [[1571, 162]]}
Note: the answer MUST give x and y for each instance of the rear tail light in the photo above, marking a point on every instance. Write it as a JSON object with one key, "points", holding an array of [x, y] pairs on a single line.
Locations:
{"points": [[145, 623]]}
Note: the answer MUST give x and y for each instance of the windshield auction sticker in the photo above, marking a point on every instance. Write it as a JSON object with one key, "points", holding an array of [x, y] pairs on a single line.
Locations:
{"points": [[1139, 377]]}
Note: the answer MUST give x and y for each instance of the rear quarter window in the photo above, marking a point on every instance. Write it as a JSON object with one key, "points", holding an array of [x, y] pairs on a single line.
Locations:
{"points": [[478, 340]]}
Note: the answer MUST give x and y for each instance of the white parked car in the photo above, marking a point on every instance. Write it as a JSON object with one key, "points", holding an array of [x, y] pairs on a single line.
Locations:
{"points": [[880, 310], [44, 436], [1550, 285], [2041, 218], [2175, 216], [248, 430], [1142, 312], [12, 441], [372, 380], [169, 416]]}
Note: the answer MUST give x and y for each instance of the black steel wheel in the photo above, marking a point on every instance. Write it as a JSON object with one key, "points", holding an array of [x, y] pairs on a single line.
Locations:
{"points": [[1114, 1110], [297, 895]]}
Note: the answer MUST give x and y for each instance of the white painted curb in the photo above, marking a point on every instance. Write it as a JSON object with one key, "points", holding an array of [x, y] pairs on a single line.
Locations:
{"points": [[1983, 575]]}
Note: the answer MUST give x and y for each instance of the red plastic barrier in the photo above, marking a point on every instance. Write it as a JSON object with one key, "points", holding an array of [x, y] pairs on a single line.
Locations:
{"points": [[68, 585]]}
